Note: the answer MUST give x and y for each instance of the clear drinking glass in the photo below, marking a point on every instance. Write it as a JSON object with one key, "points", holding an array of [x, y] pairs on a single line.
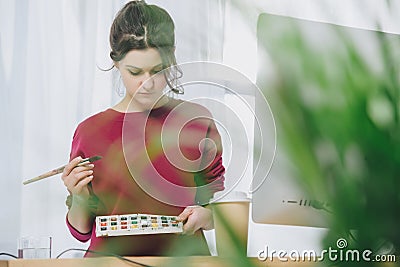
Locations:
{"points": [[31, 247]]}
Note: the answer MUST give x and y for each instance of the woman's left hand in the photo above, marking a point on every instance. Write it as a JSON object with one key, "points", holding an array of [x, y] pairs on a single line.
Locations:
{"points": [[195, 218]]}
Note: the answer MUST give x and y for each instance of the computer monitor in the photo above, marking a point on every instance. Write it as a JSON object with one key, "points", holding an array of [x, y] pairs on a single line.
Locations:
{"points": [[280, 198]]}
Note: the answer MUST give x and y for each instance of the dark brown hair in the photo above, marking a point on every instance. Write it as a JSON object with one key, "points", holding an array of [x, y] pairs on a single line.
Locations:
{"points": [[141, 26]]}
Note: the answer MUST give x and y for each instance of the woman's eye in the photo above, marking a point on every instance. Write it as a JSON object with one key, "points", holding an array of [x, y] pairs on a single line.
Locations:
{"points": [[134, 73], [157, 71]]}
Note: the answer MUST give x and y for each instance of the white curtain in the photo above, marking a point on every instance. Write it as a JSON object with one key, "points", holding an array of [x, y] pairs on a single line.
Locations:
{"points": [[51, 53]]}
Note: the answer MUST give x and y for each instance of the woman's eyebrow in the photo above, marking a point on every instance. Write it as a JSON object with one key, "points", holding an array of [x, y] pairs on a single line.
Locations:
{"points": [[134, 67]]}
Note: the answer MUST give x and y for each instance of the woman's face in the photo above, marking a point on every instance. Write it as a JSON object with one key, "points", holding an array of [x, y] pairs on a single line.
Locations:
{"points": [[142, 75]]}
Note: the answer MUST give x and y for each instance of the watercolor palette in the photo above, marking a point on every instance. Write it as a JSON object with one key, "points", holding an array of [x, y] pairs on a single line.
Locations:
{"points": [[137, 224]]}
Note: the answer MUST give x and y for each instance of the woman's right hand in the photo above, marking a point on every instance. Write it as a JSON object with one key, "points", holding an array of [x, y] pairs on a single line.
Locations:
{"points": [[76, 179]]}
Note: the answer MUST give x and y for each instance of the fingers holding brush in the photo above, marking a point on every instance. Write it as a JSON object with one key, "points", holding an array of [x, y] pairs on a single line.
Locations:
{"points": [[76, 176]]}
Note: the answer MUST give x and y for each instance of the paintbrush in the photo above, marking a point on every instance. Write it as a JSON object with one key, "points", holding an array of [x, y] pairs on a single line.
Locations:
{"points": [[60, 170]]}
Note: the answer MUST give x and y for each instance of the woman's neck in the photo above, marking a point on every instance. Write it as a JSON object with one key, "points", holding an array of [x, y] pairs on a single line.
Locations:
{"points": [[127, 105]]}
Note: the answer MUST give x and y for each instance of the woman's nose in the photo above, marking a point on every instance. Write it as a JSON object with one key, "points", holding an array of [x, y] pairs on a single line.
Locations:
{"points": [[147, 82]]}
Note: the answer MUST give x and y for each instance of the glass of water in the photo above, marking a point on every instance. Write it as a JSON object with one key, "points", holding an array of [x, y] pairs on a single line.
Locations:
{"points": [[31, 247]]}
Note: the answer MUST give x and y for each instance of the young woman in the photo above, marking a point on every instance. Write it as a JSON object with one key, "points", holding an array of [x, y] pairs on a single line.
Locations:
{"points": [[159, 155]]}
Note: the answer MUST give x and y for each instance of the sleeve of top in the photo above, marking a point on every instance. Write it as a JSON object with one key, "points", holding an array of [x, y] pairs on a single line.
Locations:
{"points": [[210, 179], [76, 148], [75, 233], [92, 203]]}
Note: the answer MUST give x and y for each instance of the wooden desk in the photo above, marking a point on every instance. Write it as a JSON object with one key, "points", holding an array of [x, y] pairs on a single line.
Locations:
{"points": [[197, 261]]}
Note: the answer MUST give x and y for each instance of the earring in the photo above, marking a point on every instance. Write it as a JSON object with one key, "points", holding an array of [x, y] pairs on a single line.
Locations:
{"points": [[120, 87]]}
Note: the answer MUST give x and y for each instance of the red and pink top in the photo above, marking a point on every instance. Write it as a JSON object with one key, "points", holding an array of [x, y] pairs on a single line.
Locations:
{"points": [[155, 162]]}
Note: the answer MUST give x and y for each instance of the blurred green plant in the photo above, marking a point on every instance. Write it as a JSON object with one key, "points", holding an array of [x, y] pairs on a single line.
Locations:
{"points": [[336, 101]]}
